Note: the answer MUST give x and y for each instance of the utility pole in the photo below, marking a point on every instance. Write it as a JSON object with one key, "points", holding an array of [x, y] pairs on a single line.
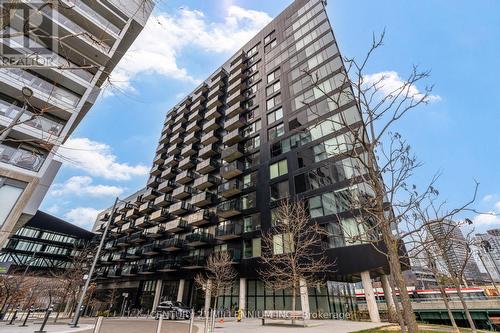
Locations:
{"points": [[27, 93], [74, 323]]}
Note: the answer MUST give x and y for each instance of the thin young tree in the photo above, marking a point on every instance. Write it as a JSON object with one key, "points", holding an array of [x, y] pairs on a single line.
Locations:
{"points": [[293, 255]]}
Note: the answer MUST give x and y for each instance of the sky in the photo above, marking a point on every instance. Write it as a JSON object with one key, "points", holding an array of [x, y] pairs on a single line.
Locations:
{"points": [[184, 41]]}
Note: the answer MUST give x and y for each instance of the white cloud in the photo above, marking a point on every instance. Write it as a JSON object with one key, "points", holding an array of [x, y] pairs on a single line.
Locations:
{"points": [[389, 82], [487, 219], [488, 197], [54, 209], [165, 36], [497, 206], [96, 159], [82, 186], [82, 216]]}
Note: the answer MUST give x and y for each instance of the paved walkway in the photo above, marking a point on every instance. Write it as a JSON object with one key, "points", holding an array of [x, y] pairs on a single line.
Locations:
{"points": [[58, 328]]}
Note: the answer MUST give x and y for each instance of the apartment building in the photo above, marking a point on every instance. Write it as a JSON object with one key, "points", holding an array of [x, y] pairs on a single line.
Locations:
{"points": [[488, 251], [56, 57], [253, 133]]}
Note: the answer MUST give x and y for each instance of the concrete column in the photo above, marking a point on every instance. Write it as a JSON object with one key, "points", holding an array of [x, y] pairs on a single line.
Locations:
{"points": [[208, 295], [304, 297], [156, 299], [243, 295], [370, 297], [180, 291], [389, 300]]}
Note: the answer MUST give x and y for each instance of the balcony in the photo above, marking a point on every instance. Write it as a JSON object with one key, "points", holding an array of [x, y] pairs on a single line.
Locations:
{"points": [[154, 181], [169, 265], [156, 170], [115, 272], [174, 149], [237, 97], [146, 269], [142, 222], [172, 244], [187, 163], [164, 200], [229, 208], [203, 199], [194, 262], [208, 151], [147, 207], [127, 227], [151, 249], [235, 123], [132, 253], [167, 186], [137, 237], [179, 128], [213, 113], [238, 60], [176, 226], [150, 194], [210, 137], [122, 241], [177, 139], [132, 213], [180, 119], [191, 138], [120, 220], [160, 215], [169, 173], [236, 74], [198, 105], [230, 188], [159, 159], [199, 218], [233, 137], [211, 125], [234, 110], [199, 239], [183, 192], [235, 86], [207, 166], [185, 177], [232, 153], [214, 103], [110, 245], [130, 270], [180, 208], [228, 230], [155, 232], [205, 182], [172, 161], [124, 207]]}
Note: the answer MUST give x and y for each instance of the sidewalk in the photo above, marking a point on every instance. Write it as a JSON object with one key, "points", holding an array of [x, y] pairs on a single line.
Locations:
{"points": [[31, 327]]}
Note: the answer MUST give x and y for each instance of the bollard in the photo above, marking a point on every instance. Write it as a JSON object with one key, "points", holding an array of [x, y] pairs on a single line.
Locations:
{"points": [[160, 322], [206, 321], [14, 317], [26, 318], [191, 321], [47, 315], [98, 324]]}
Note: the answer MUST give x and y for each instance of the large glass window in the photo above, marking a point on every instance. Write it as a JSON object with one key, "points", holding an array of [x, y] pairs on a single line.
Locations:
{"points": [[274, 101], [279, 190], [274, 115], [283, 243], [276, 86], [276, 131], [251, 248], [332, 202], [10, 191], [278, 169], [273, 76]]}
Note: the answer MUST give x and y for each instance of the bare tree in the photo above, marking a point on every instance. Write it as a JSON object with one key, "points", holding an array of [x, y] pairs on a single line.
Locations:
{"points": [[219, 275], [12, 292], [293, 255]]}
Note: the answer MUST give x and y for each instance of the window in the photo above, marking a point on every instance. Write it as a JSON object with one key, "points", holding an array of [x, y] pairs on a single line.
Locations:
{"points": [[10, 191], [252, 128], [248, 201], [267, 39], [283, 243], [279, 190], [249, 180], [253, 89], [251, 223], [273, 88], [331, 203], [353, 230], [253, 50], [273, 101], [251, 248], [273, 76], [276, 131], [252, 143], [274, 216], [270, 46], [275, 115], [335, 237], [278, 169]]}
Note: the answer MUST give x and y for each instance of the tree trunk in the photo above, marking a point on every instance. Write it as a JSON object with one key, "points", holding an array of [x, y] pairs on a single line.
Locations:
{"points": [[464, 305], [397, 304], [448, 309], [393, 256]]}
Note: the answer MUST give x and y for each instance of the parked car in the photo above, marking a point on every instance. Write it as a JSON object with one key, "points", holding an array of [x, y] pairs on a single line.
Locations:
{"points": [[172, 310]]}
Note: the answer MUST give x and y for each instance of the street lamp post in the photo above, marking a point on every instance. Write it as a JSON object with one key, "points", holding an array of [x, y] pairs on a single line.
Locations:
{"points": [[27, 93], [74, 323]]}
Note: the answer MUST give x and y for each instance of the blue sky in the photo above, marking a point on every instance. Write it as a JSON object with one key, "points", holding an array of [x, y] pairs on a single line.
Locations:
{"points": [[186, 40]]}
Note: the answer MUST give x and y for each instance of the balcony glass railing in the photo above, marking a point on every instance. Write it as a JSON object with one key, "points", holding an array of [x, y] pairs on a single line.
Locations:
{"points": [[28, 118], [21, 157], [34, 82], [18, 41], [98, 17], [66, 22]]}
